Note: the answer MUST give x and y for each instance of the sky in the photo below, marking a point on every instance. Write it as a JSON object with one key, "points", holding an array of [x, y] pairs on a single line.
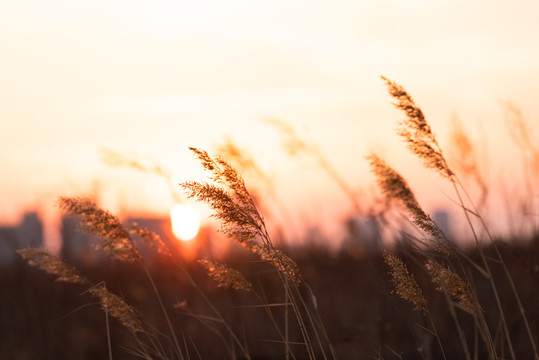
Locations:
{"points": [[150, 78]]}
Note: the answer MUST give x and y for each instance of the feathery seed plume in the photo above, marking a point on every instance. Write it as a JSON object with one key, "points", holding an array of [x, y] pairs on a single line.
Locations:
{"points": [[291, 140], [416, 131], [225, 275], [116, 307], [396, 187], [236, 209], [115, 238], [150, 238], [447, 280], [52, 265], [230, 150], [280, 260], [465, 158], [405, 285]]}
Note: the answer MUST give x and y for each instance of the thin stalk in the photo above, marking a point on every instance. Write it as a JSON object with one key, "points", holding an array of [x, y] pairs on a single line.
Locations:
{"points": [[217, 313], [142, 347], [285, 338], [437, 336], [301, 322], [487, 269], [284, 278], [509, 277], [286, 320], [313, 325], [462, 338], [108, 334], [316, 328], [481, 324], [169, 323]]}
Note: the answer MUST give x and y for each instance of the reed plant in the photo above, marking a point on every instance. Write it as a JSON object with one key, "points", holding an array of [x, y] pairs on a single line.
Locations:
{"points": [[280, 291], [459, 290], [300, 331]]}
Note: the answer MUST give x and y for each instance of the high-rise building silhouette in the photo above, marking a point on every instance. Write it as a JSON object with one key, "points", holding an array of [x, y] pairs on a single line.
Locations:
{"points": [[78, 247], [28, 233], [442, 219], [363, 236]]}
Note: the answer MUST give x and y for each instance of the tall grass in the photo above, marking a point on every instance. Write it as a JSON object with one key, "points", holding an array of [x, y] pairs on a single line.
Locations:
{"points": [[426, 271], [458, 290]]}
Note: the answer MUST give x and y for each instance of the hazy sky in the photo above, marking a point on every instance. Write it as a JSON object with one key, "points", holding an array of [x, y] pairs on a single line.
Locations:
{"points": [[153, 77]]}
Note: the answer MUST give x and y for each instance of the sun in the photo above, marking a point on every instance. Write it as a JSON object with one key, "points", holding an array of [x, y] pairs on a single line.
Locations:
{"points": [[185, 223]]}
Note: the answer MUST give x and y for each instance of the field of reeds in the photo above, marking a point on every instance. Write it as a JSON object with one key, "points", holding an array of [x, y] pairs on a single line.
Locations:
{"points": [[422, 297]]}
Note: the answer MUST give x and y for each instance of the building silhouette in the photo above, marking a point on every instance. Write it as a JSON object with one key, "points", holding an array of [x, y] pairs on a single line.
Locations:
{"points": [[363, 236], [443, 220], [78, 247], [28, 233]]}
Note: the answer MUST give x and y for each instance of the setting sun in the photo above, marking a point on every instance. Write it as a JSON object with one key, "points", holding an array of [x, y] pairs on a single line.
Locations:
{"points": [[185, 223]]}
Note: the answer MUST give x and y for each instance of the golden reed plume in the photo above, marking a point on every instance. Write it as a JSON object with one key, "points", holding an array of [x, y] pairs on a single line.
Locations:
{"points": [[447, 280], [116, 307], [234, 206], [116, 240], [395, 187], [405, 285], [52, 265], [416, 131], [225, 276]]}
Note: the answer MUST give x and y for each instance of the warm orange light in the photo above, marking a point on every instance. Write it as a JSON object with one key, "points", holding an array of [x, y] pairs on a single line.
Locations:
{"points": [[185, 223]]}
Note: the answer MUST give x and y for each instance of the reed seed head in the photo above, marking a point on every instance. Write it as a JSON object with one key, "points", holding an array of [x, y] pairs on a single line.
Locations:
{"points": [[395, 186], [232, 203], [115, 238], [280, 260], [225, 276], [416, 131], [292, 142], [405, 284], [150, 238], [465, 158], [447, 280], [229, 150], [116, 307], [237, 211], [52, 265]]}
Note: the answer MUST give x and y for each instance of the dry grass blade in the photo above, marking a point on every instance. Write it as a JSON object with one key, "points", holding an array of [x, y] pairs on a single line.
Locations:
{"points": [[416, 131], [405, 284], [52, 265], [115, 238], [226, 276], [116, 307], [447, 280]]}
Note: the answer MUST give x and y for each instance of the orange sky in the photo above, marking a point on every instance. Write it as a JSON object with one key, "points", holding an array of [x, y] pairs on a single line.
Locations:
{"points": [[152, 78]]}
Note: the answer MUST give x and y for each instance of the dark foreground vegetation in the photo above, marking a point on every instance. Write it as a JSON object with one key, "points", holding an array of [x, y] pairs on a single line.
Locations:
{"points": [[45, 319]]}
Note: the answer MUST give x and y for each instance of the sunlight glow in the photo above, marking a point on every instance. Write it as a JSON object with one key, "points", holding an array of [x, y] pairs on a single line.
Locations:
{"points": [[185, 223]]}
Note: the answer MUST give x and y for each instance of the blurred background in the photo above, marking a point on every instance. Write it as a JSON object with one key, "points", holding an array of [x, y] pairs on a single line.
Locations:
{"points": [[102, 99], [148, 79]]}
